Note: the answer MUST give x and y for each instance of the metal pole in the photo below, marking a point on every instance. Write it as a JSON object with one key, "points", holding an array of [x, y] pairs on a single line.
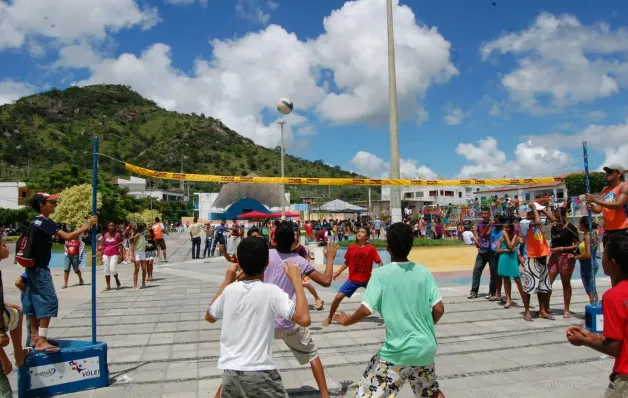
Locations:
{"points": [[587, 180], [370, 211], [395, 198], [94, 210], [283, 186]]}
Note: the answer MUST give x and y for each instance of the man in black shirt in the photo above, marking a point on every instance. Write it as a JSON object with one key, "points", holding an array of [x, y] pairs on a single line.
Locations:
{"points": [[565, 239], [40, 300]]}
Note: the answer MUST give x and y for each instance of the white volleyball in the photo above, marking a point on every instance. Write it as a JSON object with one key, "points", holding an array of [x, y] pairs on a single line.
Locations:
{"points": [[285, 106]]}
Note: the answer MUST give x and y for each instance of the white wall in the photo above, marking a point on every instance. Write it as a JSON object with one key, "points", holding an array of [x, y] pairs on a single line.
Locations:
{"points": [[9, 195]]}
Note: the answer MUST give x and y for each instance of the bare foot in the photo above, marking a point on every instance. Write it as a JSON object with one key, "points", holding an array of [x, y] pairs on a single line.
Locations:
{"points": [[567, 314], [326, 322], [508, 304], [319, 304], [527, 317], [546, 315], [47, 348], [108, 288], [65, 287]]}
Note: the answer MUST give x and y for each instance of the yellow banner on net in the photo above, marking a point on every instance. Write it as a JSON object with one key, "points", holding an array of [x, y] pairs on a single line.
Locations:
{"points": [[164, 175]]}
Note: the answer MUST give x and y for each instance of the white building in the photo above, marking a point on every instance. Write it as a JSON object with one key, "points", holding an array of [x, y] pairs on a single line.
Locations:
{"points": [[527, 192], [13, 195], [139, 188], [443, 195]]}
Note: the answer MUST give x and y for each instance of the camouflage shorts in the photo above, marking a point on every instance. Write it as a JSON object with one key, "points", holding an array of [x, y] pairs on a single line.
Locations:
{"points": [[384, 379], [261, 383], [5, 386]]}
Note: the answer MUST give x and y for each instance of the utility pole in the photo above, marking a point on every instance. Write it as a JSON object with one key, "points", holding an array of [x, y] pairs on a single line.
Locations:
{"points": [[395, 198], [283, 186]]}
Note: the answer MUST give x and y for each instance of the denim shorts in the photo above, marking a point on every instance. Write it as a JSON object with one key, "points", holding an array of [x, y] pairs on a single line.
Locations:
{"points": [[72, 262], [40, 298]]}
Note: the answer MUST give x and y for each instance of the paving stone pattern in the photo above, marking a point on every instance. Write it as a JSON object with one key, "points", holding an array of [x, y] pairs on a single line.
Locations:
{"points": [[161, 346]]}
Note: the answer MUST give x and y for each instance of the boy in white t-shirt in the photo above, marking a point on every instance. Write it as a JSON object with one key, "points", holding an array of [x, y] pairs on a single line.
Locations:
{"points": [[248, 308]]}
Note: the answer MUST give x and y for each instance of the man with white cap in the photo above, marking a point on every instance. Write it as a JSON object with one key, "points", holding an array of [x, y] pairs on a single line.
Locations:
{"points": [[613, 202]]}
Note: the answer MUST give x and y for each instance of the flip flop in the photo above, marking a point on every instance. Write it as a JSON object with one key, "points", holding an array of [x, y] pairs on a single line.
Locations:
{"points": [[50, 350], [549, 317], [528, 319], [321, 307]]}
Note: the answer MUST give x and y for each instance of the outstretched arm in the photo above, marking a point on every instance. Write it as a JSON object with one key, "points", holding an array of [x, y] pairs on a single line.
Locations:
{"points": [[348, 320]]}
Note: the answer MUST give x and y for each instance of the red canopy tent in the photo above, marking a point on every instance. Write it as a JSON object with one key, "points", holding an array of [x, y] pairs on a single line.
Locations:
{"points": [[289, 214], [254, 215]]}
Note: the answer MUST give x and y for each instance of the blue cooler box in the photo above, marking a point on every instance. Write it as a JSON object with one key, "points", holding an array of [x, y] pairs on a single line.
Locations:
{"points": [[79, 366], [594, 318]]}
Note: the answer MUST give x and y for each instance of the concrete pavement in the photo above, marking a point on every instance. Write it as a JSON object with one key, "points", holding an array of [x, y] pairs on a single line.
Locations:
{"points": [[160, 345]]}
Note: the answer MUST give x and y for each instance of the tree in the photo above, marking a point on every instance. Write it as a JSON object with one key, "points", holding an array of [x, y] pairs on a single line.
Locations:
{"points": [[9, 217], [576, 184], [146, 216], [75, 205]]}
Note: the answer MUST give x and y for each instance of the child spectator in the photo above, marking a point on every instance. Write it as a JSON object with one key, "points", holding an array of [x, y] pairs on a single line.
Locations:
{"points": [[359, 259], [408, 299], [74, 250], [248, 309], [612, 341]]}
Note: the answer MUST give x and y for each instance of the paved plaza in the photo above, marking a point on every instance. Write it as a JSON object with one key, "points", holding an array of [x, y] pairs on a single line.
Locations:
{"points": [[161, 346]]}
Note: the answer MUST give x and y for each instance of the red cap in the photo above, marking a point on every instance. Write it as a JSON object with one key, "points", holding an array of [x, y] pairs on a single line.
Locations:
{"points": [[47, 196]]}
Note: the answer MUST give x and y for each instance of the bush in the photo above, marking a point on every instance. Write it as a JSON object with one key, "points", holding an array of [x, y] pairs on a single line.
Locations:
{"points": [[576, 183]]}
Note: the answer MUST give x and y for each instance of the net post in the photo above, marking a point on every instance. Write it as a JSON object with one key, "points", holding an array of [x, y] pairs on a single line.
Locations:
{"points": [[94, 228]]}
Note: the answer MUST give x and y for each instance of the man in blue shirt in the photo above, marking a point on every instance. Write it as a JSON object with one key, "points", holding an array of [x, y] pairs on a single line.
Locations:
{"points": [[40, 299]]}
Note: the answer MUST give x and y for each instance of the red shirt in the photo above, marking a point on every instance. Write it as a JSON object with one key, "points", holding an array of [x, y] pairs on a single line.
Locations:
{"points": [[615, 322], [72, 247], [360, 260]]}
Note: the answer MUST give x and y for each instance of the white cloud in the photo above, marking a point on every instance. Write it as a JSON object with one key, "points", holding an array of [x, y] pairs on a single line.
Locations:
{"points": [[257, 11], [243, 79], [563, 60], [354, 48], [454, 116], [187, 2], [69, 20], [239, 83], [422, 116], [373, 166], [612, 140], [11, 90], [596, 116], [488, 161]]}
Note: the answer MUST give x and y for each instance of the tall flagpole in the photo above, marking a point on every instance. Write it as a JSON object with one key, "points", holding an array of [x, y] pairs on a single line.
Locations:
{"points": [[395, 171]]}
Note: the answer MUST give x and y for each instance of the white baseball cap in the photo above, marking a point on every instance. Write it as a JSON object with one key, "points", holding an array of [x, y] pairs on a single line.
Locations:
{"points": [[615, 166]]}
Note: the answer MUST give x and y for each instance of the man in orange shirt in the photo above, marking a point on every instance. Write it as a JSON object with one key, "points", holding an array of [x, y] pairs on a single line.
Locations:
{"points": [[613, 202]]}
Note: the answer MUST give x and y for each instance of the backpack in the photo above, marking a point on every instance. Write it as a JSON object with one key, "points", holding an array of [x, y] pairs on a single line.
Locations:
{"points": [[24, 253]]}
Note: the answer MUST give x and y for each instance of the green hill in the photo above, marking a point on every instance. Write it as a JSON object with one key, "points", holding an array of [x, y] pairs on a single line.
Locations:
{"points": [[55, 129]]}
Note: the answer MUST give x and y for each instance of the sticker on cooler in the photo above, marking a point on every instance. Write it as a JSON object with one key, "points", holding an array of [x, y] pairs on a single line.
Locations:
{"points": [[64, 372], [599, 323]]}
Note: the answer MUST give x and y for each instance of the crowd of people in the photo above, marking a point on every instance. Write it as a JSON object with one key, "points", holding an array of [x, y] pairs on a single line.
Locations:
{"points": [[263, 295]]}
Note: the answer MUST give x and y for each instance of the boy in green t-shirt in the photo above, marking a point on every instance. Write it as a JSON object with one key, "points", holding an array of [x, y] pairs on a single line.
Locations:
{"points": [[408, 299]]}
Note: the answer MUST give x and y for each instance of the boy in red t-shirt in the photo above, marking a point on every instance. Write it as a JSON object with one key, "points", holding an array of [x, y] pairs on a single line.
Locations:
{"points": [[359, 259], [612, 341]]}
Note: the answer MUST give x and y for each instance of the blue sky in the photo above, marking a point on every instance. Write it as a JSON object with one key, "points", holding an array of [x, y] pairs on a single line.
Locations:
{"points": [[484, 90]]}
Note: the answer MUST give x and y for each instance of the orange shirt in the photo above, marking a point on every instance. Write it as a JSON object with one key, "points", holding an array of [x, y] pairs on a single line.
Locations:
{"points": [[157, 231], [537, 245], [613, 219]]}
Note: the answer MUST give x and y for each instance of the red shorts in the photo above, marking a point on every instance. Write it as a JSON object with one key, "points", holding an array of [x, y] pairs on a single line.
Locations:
{"points": [[560, 263]]}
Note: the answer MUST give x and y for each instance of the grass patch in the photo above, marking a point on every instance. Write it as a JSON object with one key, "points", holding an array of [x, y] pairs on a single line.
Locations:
{"points": [[11, 239], [381, 244]]}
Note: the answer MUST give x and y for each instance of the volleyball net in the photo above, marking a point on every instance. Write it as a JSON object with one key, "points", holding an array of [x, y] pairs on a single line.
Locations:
{"points": [[213, 198]]}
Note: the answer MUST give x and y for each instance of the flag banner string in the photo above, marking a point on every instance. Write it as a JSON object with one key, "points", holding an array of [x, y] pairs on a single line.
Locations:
{"points": [[166, 175]]}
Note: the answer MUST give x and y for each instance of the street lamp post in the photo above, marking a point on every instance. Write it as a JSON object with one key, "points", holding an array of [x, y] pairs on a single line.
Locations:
{"points": [[283, 186], [395, 199]]}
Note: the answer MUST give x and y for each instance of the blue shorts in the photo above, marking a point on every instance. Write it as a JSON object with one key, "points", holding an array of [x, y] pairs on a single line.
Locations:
{"points": [[40, 298], [72, 262], [349, 287]]}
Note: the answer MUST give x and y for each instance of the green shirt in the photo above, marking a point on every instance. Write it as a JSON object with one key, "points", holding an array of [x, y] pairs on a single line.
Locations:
{"points": [[404, 294]]}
